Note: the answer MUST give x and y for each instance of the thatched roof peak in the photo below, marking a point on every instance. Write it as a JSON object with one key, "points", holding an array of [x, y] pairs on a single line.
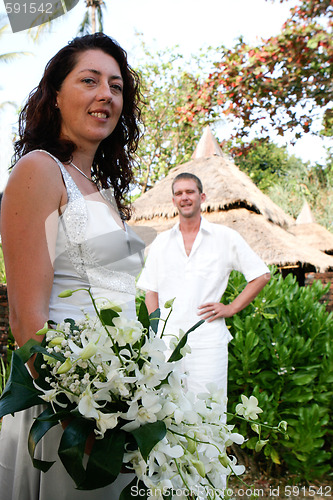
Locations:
{"points": [[207, 146], [305, 216], [310, 233]]}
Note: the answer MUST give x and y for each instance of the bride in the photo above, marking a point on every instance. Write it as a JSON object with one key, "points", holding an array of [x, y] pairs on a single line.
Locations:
{"points": [[63, 214]]}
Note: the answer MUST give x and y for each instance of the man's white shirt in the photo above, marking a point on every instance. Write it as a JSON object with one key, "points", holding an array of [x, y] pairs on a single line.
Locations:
{"points": [[198, 278]]}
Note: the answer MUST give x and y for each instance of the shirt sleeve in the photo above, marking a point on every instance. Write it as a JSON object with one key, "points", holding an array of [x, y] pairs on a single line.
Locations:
{"points": [[148, 279], [246, 260]]}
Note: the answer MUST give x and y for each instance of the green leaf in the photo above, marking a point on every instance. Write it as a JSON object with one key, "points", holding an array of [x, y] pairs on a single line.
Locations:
{"points": [[38, 429], [312, 44], [176, 354], [107, 316], [42, 350], [71, 448], [20, 392], [105, 460], [143, 315], [303, 378], [154, 319], [25, 352], [132, 490], [148, 435], [268, 315], [238, 323], [55, 417], [73, 326], [275, 456]]}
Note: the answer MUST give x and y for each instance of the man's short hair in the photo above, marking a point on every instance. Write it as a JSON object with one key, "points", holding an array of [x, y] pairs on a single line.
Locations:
{"points": [[187, 175]]}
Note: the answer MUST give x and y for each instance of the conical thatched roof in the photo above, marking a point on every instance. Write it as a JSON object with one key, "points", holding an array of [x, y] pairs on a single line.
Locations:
{"points": [[235, 201], [310, 233]]}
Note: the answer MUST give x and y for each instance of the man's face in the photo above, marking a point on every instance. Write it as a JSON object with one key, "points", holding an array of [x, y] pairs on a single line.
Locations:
{"points": [[187, 198]]}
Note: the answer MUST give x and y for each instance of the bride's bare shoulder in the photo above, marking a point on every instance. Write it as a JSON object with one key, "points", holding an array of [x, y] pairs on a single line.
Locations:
{"points": [[34, 171]]}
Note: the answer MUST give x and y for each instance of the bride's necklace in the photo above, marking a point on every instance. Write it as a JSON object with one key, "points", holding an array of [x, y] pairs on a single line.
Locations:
{"points": [[84, 175]]}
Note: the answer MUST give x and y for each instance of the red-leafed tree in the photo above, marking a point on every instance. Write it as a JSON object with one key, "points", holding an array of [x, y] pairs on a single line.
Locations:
{"points": [[285, 83]]}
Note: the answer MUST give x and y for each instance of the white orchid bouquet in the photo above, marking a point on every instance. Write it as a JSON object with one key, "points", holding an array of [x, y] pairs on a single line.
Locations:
{"points": [[108, 377]]}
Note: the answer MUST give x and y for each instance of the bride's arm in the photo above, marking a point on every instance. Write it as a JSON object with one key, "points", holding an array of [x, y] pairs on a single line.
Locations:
{"points": [[29, 214]]}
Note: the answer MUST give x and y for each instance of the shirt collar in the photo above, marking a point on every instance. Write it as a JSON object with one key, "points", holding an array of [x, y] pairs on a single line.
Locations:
{"points": [[204, 226]]}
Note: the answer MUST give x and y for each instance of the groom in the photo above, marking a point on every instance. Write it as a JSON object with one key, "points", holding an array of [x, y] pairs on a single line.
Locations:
{"points": [[192, 263]]}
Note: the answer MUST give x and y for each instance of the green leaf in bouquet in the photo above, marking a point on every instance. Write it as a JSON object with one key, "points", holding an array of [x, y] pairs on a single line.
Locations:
{"points": [[42, 369], [176, 353], [73, 326], [107, 316], [134, 489], [154, 319], [20, 392], [105, 460], [38, 429], [148, 435], [42, 350], [72, 446], [55, 417], [143, 315], [25, 352]]}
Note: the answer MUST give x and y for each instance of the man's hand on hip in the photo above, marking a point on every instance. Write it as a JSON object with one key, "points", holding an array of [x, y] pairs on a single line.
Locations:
{"points": [[215, 310]]}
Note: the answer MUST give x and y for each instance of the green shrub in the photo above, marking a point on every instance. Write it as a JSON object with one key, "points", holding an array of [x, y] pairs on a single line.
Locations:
{"points": [[282, 353]]}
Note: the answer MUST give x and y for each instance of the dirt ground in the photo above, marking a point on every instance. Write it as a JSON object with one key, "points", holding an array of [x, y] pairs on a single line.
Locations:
{"points": [[261, 487]]}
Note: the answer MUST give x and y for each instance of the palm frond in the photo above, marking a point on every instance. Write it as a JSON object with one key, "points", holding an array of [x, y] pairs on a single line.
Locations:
{"points": [[4, 104], [10, 56], [85, 24], [100, 17]]}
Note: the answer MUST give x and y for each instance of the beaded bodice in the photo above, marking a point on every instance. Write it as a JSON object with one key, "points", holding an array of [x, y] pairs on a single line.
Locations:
{"points": [[92, 250]]}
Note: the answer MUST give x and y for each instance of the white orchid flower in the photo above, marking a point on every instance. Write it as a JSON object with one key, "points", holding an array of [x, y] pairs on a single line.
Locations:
{"points": [[249, 407], [237, 469], [154, 345], [151, 375], [143, 413], [50, 396], [171, 451], [235, 438], [88, 350], [87, 405], [106, 421], [128, 331]]}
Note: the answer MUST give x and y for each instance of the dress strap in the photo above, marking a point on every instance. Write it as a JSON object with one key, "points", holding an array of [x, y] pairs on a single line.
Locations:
{"points": [[71, 188], [75, 217]]}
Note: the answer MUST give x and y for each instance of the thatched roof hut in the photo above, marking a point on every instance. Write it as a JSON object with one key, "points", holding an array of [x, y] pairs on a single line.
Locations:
{"points": [[310, 233], [235, 201]]}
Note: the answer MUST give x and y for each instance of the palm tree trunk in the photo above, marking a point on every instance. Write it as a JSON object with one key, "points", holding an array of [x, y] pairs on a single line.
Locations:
{"points": [[93, 17]]}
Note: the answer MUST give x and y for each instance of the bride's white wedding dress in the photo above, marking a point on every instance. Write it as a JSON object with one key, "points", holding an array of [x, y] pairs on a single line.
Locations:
{"points": [[92, 250]]}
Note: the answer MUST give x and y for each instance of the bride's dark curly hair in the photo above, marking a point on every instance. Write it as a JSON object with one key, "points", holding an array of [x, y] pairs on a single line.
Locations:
{"points": [[40, 120]]}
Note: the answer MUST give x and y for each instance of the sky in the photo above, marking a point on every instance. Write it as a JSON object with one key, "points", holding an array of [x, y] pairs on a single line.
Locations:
{"points": [[190, 24]]}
